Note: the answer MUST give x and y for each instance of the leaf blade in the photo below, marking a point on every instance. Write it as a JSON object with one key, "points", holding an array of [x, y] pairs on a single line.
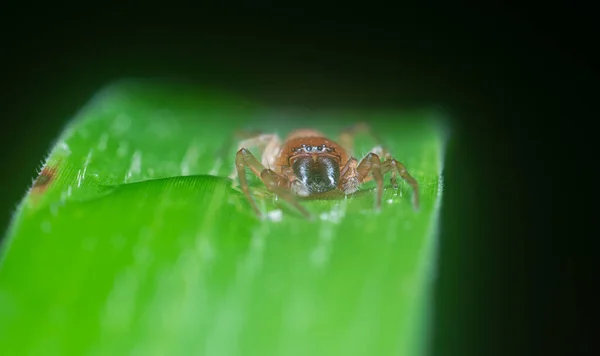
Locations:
{"points": [[170, 259]]}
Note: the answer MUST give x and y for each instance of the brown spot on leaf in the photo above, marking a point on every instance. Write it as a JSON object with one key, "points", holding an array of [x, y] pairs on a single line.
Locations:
{"points": [[41, 183]]}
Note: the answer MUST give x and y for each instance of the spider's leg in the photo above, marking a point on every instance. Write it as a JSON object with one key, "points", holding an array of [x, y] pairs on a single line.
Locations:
{"points": [[366, 165], [280, 186], [269, 145], [372, 164], [391, 164], [349, 179], [274, 182]]}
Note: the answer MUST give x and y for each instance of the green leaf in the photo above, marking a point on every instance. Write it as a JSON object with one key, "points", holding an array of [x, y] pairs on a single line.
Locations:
{"points": [[133, 241]]}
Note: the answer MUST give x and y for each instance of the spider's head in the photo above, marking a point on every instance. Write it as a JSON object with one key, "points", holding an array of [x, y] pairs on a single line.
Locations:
{"points": [[319, 173]]}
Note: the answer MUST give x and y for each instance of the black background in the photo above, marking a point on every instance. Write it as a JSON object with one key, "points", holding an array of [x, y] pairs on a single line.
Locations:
{"points": [[517, 80]]}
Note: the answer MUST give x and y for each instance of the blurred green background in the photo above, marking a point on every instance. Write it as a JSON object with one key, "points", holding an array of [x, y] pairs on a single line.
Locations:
{"points": [[492, 71]]}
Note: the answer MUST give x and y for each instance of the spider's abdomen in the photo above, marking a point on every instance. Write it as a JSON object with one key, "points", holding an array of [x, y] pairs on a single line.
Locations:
{"points": [[319, 175]]}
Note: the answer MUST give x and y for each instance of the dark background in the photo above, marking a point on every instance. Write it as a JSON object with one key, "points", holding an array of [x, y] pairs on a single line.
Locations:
{"points": [[517, 80]]}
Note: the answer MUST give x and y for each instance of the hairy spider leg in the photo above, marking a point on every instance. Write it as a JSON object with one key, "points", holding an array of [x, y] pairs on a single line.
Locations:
{"points": [[273, 181], [397, 168], [391, 164], [269, 145], [349, 179], [372, 164]]}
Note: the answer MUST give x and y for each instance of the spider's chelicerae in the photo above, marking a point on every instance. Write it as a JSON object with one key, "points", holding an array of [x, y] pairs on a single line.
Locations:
{"points": [[310, 164]]}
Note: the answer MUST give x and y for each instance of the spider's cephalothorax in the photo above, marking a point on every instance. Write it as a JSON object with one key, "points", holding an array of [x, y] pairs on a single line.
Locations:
{"points": [[309, 163]]}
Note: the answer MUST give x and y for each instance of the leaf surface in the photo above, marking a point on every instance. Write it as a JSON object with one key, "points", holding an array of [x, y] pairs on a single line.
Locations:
{"points": [[133, 241]]}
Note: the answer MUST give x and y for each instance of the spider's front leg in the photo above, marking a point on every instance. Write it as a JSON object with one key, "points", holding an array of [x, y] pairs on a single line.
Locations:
{"points": [[269, 145], [353, 174], [349, 178], [396, 167], [273, 181], [372, 164], [371, 167]]}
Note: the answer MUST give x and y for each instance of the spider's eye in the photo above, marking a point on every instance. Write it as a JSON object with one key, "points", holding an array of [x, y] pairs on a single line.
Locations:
{"points": [[319, 148], [308, 148]]}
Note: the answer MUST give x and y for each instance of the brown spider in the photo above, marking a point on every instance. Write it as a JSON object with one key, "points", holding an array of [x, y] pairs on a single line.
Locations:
{"points": [[310, 164]]}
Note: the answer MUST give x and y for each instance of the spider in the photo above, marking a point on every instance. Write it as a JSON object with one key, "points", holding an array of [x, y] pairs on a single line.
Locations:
{"points": [[310, 164]]}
